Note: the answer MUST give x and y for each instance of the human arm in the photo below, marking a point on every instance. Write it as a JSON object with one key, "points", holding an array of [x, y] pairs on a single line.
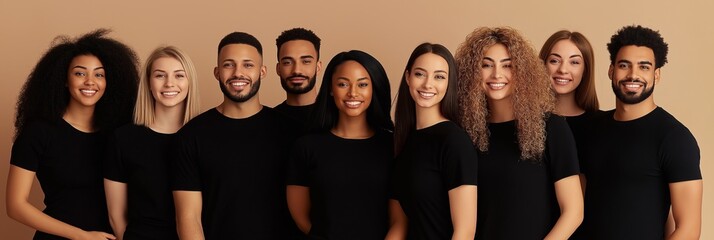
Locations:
{"points": [[462, 202], [117, 206], [299, 206], [188, 214], [686, 209], [397, 222], [19, 184], [570, 200]]}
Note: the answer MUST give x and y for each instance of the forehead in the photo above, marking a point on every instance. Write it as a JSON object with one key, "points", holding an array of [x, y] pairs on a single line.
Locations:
{"points": [[351, 70], [566, 46], [430, 61], [635, 53], [298, 46], [497, 50], [85, 60], [166, 62], [239, 52]]}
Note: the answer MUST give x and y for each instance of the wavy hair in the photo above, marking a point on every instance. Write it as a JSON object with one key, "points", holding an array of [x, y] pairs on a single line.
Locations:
{"points": [[144, 109], [405, 113], [585, 94], [533, 97], [44, 95], [325, 113]]}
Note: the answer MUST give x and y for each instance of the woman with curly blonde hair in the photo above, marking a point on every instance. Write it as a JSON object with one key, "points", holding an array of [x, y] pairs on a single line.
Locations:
{"points": [[528, 166]]}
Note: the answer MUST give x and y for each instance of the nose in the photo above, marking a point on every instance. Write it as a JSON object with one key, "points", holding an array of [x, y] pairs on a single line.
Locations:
{"points": [[497, 73], [89, 80], [352, 91], [170, 81], [296, 70], [562, 68]]}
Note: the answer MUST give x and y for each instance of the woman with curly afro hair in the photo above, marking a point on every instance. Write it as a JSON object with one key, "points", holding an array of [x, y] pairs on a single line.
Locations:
{"points": [[528, 167], [79, 91]]}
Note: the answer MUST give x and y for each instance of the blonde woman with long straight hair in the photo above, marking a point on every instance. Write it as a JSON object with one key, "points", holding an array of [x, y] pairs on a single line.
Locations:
{"points": [[136, 176]]}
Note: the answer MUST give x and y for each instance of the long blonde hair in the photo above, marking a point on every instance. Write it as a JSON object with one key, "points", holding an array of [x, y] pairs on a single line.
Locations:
{"points": [[144, 109]]}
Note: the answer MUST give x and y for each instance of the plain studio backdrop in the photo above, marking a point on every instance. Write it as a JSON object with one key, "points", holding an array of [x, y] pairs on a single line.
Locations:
{"points": [[389, 30]]}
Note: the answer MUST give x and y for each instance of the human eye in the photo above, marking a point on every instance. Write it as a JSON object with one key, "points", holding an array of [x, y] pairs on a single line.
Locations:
{"points": [[440, 76], [575, 62], [363, 84], [80, 74], [554, 61], [306, 61], [486, 65], [287, 62], [645, 67], [623, 66], [419, 74], [341, 84], [159, 75], [248, 65], [99, 75], [180, 75], [507, 65], [228, 65]]}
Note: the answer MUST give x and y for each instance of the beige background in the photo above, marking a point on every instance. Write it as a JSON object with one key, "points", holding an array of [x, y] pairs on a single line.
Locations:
{"points": [[387, 29]]}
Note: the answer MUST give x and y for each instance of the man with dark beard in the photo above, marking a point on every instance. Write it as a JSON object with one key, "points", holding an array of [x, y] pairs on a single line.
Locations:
{"points": [[641, 159], [298, 65], [228, 175]]}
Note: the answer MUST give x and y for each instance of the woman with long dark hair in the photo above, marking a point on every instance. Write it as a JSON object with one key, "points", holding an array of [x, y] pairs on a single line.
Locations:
{"points": [[338, 176], [79, 91], [436, 164]]}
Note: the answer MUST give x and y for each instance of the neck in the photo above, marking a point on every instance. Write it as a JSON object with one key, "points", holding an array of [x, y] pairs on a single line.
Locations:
{"points": [[168, 119], [301, 99], [239, 110], [566, 105], [427, 117], [627, 112], [352, 128], [80, 117], [501, 111]]}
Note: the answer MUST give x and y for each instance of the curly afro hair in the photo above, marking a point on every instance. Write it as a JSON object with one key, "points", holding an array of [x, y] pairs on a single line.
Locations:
{"points": [[639, 36]]}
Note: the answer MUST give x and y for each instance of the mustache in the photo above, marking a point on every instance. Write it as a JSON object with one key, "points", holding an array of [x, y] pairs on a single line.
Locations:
{"points": [[238, 78], [626, 80], [297, 76]]}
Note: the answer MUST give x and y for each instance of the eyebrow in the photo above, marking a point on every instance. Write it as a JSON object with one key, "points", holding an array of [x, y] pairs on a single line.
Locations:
{"points": [[85, 68], [571, 56], [436, 71], [347, 79], [502, 60]]}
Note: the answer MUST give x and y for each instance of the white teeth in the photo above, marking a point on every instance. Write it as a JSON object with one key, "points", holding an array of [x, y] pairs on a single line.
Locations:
{"points": [[561, 80], [427, 95], [239, 84], [353, 103], [632, 85], [88, 92], [497, 86], [169, 93]]}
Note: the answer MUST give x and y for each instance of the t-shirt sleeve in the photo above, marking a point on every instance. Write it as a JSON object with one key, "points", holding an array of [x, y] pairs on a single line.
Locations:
{"points": [[298, 164], [680, 156], [29, 146], [113, 165], [460, 160], [562, 155], [185, 172]]}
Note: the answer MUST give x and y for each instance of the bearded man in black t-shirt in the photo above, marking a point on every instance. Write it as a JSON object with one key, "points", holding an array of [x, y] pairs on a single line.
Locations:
{"points": [[298, 65], [640, 160], [228, 175]]}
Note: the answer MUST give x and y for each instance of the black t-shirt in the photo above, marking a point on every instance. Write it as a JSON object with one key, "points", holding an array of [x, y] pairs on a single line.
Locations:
{"points": [[628, 167], [68, 165], [581, 126], [300, 113], [239, 165], [139, 157], [433, 161], [516, 197], [348, 181]]}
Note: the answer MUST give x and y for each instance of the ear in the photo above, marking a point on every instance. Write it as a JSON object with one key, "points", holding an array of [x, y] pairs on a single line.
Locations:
{"points": [[319, 67], [277, 68], [215, 73], [657, 75], [263, 71], [406, 77], [611, 72]]}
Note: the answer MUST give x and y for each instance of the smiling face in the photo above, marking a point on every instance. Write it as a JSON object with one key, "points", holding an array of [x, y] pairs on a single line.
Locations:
{"points": [[351, 90], [240, 69], [633, 74], [168, 83], [565, 65], [496, 73], [297, 66], [428, 80], [85, 81]]}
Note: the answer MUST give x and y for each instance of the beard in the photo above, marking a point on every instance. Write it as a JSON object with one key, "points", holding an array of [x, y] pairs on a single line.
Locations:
{"points": [[632, 97], [298, 89], [254, 86]]}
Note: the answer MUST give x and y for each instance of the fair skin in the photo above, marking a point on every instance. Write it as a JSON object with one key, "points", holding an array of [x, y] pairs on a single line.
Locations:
{"points": [[637, 63], [352, 93], [428, 80], [240, 67], [496, 71], [168, 84], [297, 63], [85, 82], [566, 65]]}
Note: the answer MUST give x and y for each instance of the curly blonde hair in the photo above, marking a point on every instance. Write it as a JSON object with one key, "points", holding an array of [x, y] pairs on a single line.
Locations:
{"points": [[533, 98]]}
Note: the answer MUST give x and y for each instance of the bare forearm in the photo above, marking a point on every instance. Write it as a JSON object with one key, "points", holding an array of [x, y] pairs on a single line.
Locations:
{"points": [[190, 229], [118, 225], [565, 226], [27, 214]]}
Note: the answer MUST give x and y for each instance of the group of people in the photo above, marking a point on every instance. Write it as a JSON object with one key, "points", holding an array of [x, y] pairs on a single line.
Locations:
{"points": [[493, 142]]}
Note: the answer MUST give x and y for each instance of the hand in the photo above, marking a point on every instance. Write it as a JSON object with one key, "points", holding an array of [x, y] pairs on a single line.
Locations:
{"points": [[92, 235]]}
